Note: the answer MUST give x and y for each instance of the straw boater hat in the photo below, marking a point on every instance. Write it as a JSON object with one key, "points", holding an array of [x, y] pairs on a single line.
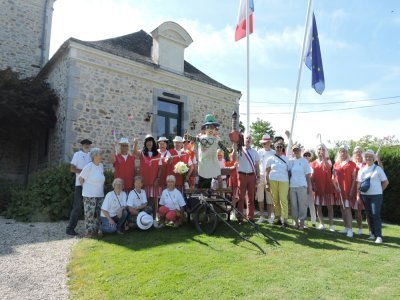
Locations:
{"points": [[266, 138], [144, 221], [124, 140], [210, 120], [162, 139], [178, 139]]}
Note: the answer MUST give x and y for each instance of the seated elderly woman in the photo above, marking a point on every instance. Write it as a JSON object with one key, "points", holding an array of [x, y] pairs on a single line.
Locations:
{"points": [[171, 204], [137, 201], [113, 211]]}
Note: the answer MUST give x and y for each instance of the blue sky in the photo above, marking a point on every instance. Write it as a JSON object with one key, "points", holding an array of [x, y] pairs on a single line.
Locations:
{"points": [[360, 45]]}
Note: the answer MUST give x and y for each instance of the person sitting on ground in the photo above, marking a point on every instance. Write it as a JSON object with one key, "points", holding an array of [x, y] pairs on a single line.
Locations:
{"points": [[113, 211], [137, 201], [171, 204]]}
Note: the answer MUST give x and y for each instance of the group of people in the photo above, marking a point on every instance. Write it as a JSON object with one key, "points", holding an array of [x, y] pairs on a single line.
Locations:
{"points": [[268, 176], [135, 199]]}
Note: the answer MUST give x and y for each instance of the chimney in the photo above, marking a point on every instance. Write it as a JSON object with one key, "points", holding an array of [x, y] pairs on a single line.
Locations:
{"points": [[169, 43]]}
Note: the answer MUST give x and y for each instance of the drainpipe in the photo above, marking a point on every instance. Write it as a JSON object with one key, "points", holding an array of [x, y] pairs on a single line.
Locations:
{"points": [[46, 31]]}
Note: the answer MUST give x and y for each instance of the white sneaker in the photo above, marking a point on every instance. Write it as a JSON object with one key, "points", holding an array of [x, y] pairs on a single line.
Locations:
{"points": [[359, 231], [349, 233], [320, 226], [233, 216], [271, 220], [261, 220], [378, 240], [345, 230], [371, 237], [332, 228]]}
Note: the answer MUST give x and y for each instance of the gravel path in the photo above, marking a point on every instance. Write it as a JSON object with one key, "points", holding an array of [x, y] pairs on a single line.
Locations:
{"points": [[33, 259]]}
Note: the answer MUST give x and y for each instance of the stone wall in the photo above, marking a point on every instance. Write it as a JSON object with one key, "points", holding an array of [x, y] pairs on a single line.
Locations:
{"points": [[24, 41], [106, 88]]}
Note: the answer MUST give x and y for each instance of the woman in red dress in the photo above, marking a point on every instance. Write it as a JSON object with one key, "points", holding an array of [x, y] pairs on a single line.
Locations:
{"points": [[321, 179], [149, 170], [192, 155], [178, 154], [345, 185], [358, 205]]}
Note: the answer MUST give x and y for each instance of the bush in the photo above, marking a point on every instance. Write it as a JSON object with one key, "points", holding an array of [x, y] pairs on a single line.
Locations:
{"points": [[391, 161], [6, 186], [48, 197]]}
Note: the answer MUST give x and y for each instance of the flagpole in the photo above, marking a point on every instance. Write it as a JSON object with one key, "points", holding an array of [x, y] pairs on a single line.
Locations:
{"points": [[299, 75], [247, 66]]}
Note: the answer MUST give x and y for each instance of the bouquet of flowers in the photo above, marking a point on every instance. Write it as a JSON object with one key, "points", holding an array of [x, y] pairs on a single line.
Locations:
{"points": [[181, 168]]}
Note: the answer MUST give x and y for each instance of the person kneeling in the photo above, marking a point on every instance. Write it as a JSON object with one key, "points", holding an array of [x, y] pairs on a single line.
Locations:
{"points": [[171, 204], [137, 202], [113, 211]]}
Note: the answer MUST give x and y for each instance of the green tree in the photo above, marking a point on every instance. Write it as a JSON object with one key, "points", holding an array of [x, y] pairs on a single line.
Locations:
{"points": [[258, 129], [27, 111], [27, 106], [367, 142]]}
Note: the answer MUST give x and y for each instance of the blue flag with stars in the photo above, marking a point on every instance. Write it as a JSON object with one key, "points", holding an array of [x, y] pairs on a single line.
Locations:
{"points": [[313, 59]]}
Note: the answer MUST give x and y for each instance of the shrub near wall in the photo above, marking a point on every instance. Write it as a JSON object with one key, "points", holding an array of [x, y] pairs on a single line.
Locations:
{"points": [[48, 197], [391, 197]]}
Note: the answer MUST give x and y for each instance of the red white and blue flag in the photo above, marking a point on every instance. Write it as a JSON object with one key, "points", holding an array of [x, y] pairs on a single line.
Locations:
{"points": [[240, 31]]}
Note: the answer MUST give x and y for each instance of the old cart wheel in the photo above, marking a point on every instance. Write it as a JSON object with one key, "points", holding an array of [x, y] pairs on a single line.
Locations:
{"points": [[205, 219]]}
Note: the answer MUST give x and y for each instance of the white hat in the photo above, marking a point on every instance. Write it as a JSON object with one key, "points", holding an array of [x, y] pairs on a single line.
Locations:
{"points": [[370, 152], [124, 140], [344, 147], [162, 139], [265, 138], [178, 139], [144, 221]]}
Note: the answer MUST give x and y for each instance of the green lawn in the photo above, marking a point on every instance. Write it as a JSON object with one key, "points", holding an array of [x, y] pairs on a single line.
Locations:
{"points": [[181, 264]]}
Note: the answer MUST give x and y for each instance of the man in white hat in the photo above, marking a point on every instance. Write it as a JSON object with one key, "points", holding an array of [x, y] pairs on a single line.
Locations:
{"points": [[262, 187], [178, 154], [124, 162]]}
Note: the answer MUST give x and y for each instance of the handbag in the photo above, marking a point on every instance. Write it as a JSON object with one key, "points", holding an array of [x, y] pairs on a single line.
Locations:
{"points": [[366, 183]]}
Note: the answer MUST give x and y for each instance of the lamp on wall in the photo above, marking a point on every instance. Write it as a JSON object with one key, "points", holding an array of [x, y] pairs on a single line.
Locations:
{"points": [[148, 117], [193, 125]]}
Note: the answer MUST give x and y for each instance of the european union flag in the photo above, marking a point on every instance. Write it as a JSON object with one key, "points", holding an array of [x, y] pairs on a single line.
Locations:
{"points": [[313, 60]]}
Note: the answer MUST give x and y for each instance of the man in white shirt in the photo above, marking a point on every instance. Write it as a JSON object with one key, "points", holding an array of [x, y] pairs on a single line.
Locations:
{"points": [[249, 176], [78, 162], [262, 187]]}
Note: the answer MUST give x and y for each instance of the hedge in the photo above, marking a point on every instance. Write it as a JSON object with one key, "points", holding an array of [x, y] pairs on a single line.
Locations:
{"points": [[48, 196]]}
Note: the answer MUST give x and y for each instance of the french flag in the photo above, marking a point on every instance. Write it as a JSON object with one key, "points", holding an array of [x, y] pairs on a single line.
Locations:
{"points": [[240, 31]]}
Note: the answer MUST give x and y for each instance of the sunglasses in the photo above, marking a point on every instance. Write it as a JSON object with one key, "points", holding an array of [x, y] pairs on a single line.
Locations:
{"points": [[278, 147], [307, 155]]}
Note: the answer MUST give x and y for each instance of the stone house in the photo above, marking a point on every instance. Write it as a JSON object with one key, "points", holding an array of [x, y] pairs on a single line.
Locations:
{"points": [[135, 84]]}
